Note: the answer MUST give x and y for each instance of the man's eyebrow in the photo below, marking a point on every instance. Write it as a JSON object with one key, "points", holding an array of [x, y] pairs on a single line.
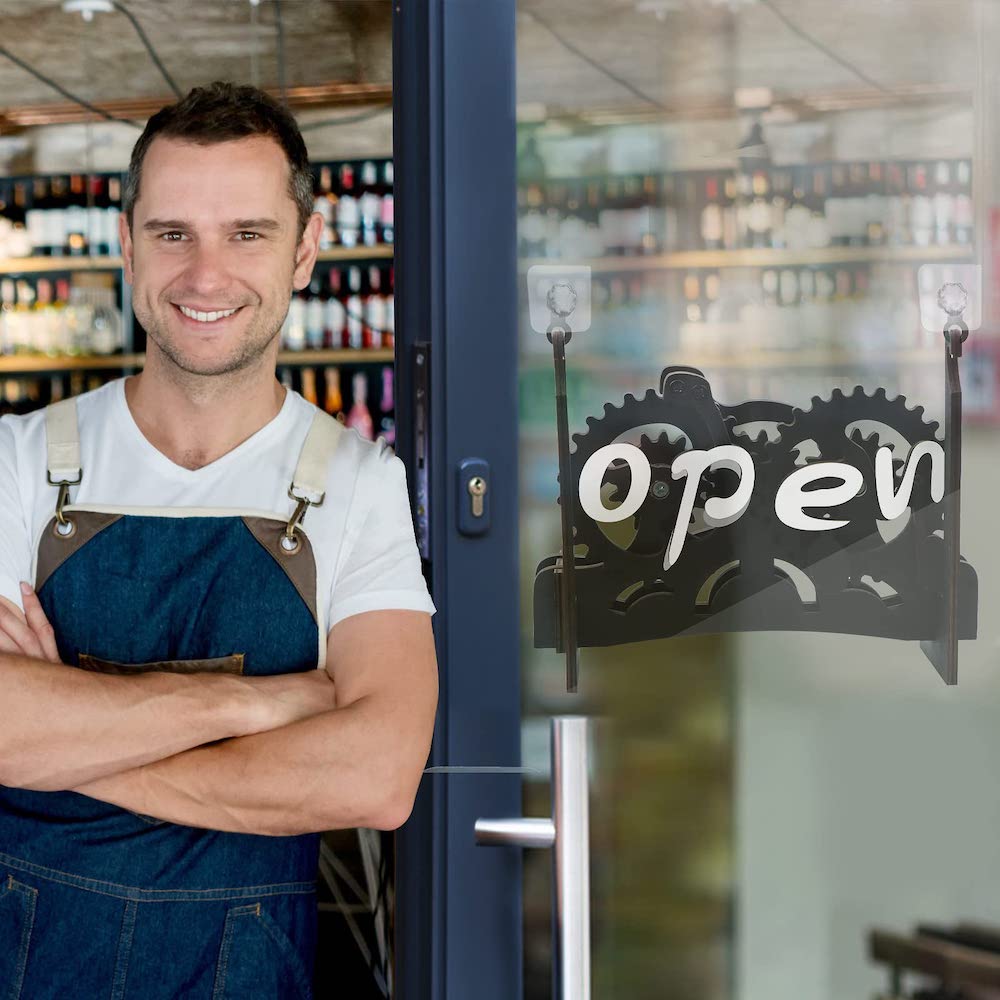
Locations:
{"points": [[269, 225], [152, 225]]}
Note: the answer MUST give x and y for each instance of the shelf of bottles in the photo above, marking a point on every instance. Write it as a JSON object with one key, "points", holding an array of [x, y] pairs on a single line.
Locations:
{"points": [[65, 324]]}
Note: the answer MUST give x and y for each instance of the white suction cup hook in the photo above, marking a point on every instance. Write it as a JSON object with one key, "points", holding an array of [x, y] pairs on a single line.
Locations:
{"points": [[88, 8], [559, 295]]}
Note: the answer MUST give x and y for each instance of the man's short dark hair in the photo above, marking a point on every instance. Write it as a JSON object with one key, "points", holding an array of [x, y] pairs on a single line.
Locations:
{"points": [[222, 112]]}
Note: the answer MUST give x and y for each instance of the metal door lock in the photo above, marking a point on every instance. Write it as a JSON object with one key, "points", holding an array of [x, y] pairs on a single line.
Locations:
{"points": [[473, 502], [477, 490]]}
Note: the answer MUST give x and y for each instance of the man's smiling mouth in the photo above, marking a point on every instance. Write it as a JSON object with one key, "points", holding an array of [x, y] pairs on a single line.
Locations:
{"points": [[206, 317]]}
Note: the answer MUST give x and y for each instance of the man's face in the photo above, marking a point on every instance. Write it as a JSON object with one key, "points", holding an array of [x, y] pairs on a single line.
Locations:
{"points": [[213, 254]]}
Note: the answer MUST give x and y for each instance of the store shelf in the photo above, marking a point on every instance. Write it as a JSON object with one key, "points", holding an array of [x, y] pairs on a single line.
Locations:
{"points": [[380, 252], [714, 259], [27, 364], [41, 265]]}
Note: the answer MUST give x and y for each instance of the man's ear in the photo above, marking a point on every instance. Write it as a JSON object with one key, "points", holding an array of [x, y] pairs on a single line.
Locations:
{"points": [[306, 251], [125, 238]]}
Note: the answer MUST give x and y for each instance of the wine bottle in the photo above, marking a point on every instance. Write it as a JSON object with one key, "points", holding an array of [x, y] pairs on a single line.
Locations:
{"points": [[387, 408], [36, 217], [374, 310], [387, 225], [324, 203], [353, 307], [314, 317], [348, 212], [335, 318], [944, 203], [922, 207], [76, 217], [369, 203], [359, 418], [333, 401], [711, 215], [55, 217], [309, 386]]}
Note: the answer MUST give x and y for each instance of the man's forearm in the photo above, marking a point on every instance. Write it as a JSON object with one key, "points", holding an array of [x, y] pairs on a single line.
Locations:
{"points": [[336, 770], [63, 725]]}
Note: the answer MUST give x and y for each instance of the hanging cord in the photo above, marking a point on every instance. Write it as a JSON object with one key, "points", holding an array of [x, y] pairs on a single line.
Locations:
{"points": [[49, 82], [149, 47]]}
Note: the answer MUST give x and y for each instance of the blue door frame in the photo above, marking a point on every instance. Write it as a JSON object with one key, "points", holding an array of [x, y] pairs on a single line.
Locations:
{"points": [[458, 906]]}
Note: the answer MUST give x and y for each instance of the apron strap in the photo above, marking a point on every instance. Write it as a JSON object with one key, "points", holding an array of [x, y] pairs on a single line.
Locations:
{"points": [[308, 487], [313, 469], [63, 443]]}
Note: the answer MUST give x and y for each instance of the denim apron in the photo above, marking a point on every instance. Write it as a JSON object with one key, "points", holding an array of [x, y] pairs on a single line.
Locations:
{"points": [[101, 903]]}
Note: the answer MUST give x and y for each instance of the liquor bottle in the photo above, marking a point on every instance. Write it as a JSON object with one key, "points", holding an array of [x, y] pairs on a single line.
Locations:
{"points": [[334, 316], [797, 215], [333, 401], [711, 215], [649, 216], [688, 219], [8, 321], [922, 207], [759, 211], [387, 407], [373, 327], [552, 218], [875, 205], [76, 217], [314, 317], [111, 214], [964, 221], [36, 217], [324, 203], [692, 298], [55, 217], [781, 197], [387, 225], [359, 418], [837, 207], [295, 328], [897, 205], [354, 310], [369, 203], [348, 212], [820, 234], [19, 239], [856, 218], [389, 338], [944, 203], [97, 204], [730, 229], [309, 386]]}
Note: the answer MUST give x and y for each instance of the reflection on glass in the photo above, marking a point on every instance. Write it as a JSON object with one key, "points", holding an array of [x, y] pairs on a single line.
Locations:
{"points": [[756, 187]]}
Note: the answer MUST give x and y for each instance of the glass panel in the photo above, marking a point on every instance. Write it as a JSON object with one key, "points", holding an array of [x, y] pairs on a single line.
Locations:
{"points": [[773, 194]]}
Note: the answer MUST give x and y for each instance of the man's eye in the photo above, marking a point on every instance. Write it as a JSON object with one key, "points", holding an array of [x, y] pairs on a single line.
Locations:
{"points": [[248, 237], [172, 237]]}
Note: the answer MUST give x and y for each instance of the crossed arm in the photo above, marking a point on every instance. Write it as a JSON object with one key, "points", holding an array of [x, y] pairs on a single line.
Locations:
{"points": [[358, 764]]}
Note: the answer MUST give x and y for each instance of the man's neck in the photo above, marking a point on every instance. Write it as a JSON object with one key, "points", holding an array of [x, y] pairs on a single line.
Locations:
{"points": [[195, 420]]}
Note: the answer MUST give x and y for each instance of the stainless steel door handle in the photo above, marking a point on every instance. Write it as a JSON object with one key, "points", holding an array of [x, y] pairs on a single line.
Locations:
{"points": [[568, 833]]}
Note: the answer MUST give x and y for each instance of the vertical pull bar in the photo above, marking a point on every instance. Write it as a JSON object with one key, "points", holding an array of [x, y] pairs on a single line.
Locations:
{"points": [[571, 815], [568, 833]]}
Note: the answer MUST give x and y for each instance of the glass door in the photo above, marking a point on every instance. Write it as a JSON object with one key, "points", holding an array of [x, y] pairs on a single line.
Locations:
{"points": [[759, 218]]}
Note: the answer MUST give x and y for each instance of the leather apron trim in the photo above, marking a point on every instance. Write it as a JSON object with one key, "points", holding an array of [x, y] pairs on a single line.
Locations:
{"points": [[300, 567], [220, 664], [54, 549]]}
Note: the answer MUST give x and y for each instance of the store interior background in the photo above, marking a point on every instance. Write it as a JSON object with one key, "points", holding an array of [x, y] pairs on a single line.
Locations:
{"points": [[760, 801]]}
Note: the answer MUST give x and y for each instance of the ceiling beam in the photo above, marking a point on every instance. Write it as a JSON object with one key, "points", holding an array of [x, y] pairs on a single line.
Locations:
{"points": [[324, 96]]}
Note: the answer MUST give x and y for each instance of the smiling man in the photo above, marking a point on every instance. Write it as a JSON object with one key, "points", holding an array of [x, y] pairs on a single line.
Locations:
{"points": [[215, 637]]}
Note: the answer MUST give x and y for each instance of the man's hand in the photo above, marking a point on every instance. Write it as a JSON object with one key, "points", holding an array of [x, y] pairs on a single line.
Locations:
{"points": [[27, 634]]}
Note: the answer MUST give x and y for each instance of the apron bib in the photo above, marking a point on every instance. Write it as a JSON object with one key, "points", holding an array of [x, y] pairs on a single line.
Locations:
{"points": [[100, 902]]}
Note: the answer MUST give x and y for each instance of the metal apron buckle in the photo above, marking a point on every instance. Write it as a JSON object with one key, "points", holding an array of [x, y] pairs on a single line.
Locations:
{"points": [[64, 527], [290, 542]]}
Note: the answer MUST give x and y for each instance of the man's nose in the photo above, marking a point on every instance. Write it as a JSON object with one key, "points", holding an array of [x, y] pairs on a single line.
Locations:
{"points": [[208, 269]]}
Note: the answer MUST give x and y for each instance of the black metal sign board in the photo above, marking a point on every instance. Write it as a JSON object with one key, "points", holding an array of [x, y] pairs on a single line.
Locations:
{"points": [[688, 515]]}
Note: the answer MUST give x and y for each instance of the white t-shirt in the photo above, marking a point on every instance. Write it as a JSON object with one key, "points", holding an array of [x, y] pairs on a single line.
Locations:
{"points": [[362, 534]]}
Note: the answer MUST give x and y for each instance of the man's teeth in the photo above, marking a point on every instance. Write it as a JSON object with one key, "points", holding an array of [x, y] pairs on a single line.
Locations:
{"points": [[205, 317]]}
